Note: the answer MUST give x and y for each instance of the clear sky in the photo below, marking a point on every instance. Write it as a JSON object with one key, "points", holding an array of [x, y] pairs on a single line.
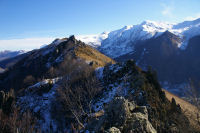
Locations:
{"points": [[22, 19]]}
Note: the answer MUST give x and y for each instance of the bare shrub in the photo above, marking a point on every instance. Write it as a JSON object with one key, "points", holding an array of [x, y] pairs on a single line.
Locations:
{"points": [[77, 90], [16, 122], [11, 120]]}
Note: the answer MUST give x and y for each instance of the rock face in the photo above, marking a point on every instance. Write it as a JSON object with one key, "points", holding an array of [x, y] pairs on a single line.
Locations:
{"points": [[125, 116]]}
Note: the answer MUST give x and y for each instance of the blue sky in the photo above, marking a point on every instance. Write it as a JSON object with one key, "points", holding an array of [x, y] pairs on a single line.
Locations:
{"points": [[55, 18]]}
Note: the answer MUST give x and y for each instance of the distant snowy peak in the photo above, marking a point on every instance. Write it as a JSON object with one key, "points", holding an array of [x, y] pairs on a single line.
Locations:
{"points": [[93, 40], [148, 29], [186, 24]]}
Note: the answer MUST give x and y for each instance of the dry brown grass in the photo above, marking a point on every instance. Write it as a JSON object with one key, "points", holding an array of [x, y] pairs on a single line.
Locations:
{"points": [[189, 110], [91, 55]]}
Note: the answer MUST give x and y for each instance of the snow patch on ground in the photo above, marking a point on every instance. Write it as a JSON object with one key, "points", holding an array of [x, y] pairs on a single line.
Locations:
{"points": [[112, 90], [99, 72], [40, 104], [46, 81]]}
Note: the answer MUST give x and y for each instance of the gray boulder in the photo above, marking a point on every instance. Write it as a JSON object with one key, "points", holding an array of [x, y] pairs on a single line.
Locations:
{"points": [[123, 116]]}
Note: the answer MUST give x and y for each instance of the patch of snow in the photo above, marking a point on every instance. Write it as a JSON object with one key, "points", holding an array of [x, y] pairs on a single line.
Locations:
{"points": [[107, 97], [40, 104], [59, 59], [48, 65], [113, 89], [99, 72], [46, 81]]}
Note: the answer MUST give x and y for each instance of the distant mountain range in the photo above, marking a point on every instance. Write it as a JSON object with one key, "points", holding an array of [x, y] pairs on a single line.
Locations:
{"points": [[9, 54]]}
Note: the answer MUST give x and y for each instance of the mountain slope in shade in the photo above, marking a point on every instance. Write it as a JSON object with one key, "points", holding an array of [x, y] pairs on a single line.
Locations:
{"points": [[6, 63], [173, 65]]}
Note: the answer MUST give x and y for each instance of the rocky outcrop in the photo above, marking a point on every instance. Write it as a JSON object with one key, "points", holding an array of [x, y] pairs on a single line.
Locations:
{"points": [[123, 116], [113, 130]]}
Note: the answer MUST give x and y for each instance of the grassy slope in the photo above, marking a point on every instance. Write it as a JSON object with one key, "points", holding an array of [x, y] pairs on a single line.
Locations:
{"points": [[90, 54], [189, 109]]}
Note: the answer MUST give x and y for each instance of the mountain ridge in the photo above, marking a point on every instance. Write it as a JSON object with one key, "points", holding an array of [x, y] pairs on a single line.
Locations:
{"points": [[38, 62]]}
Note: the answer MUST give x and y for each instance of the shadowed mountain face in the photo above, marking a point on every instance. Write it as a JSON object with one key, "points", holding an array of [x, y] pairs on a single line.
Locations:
{"points": [[9, 58], [8, 62], [172, 64]]}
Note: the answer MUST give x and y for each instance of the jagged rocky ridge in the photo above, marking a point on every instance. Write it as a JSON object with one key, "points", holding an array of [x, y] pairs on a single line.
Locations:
{"points": [[131, 100]]}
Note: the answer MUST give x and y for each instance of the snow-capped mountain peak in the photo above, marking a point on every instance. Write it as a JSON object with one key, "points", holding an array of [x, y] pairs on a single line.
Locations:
{"points": [[121, 41], [187, 24]]}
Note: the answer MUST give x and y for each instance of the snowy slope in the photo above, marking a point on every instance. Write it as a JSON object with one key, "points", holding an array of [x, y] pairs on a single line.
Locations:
{"points": [[40, 102]]}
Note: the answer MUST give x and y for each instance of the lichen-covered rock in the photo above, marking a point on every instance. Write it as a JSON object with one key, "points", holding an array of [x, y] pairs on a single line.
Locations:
{"points": [[118, 111], [138, 122]]}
